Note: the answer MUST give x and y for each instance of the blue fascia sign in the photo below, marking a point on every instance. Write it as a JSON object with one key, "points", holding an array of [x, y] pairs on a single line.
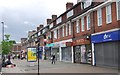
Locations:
{"points": [[105, 37]]}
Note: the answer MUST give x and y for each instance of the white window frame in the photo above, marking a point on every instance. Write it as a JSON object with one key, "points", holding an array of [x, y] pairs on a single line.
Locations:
{"points": [[108, 14], [99, 16], [63, 31], [50, 35], [58, 33], [59, 20], [70, 13], [88, 22], [118, 9], [82, 24], [77, 26], [51, 25], [70, 29], [66, 29], [55, 34], [87, 3]]}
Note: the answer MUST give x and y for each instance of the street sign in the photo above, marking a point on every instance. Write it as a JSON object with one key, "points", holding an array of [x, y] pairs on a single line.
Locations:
{"points": [[31, 55]]}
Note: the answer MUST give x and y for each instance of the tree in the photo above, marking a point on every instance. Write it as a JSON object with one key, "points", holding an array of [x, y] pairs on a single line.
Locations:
{"points": [[7, 36], [7, 45]]}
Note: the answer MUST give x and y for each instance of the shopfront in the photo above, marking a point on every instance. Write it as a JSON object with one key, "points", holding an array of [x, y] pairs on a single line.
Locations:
{"points": [[55, 50], [82, 51], [66, 50], [47, 53], [105, 48], [66, 54]]}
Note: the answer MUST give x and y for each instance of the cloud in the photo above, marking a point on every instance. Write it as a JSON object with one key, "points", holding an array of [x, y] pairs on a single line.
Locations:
{"points": [[26, 22], [20, 16]]}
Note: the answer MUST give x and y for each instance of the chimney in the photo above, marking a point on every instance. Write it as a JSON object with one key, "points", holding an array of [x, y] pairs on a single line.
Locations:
{"points": [[69, 5], [48, 21], [41, 26], [54, 17], [38, 28]]}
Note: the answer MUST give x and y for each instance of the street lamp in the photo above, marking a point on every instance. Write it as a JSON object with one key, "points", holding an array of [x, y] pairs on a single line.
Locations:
{"points": [[2, 31], [38, 43]]}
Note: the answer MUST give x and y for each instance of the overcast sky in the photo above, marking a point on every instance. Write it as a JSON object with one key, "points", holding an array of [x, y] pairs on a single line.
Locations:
{"points": [[21, 16]]}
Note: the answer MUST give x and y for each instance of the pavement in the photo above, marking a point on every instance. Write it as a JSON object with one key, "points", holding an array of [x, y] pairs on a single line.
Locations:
{"points": [[60, 67]]}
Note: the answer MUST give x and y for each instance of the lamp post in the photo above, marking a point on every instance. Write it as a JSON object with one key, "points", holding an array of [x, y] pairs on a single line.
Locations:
{"points": [[38, 43], [2, 31]]}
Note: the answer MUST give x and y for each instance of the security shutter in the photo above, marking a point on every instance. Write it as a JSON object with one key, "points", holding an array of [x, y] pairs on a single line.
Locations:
{"points": [[66, 54], [106, 54]]}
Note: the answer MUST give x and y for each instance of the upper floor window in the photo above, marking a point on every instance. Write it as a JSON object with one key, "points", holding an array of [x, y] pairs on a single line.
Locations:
{"points": [[88, 22], [70, 13], [39, 33], [99, 14], [59, 20], [67, 29], [63, 31], [70, 30], [77, 26], [85, 4], [108, 14], [50, 35], [83, 26], [58, 33], [51, 25], [118, 9], [55, 34]]}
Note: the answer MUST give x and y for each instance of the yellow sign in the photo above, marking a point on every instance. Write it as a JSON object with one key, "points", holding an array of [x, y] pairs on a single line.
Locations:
{"points": [[31, 55]]}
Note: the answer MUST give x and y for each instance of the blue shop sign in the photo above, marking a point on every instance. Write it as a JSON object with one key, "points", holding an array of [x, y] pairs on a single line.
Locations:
{"points": [[105, 37]]}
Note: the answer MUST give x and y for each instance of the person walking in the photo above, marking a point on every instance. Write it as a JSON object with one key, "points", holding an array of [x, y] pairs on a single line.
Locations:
{"points": [[53, 59]]}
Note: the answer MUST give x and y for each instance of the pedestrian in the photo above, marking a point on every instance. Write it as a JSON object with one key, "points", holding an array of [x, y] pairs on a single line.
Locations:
{"points": [[8, 64], [53, 59]]}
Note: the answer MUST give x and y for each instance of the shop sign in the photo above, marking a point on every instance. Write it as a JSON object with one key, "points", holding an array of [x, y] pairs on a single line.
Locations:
{"points": [[69, 43], [79, 41], [50, 45], [105, 37], [63, 44], [56, 45], [31, 55]]}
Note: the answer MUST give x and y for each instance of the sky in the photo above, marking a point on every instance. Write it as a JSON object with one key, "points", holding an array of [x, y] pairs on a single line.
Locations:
{"points": [[21, 16]]}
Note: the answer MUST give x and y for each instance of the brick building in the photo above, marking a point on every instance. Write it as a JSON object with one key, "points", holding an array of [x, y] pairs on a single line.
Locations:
{"points": [[87, 32], [72, 33], [16, 48]]}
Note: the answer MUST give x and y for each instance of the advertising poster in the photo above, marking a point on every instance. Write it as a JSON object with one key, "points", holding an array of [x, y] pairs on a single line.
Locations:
{"points": [[31, 55]]}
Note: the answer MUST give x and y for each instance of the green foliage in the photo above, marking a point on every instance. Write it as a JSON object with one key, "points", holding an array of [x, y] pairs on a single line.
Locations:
{"points": [[7, 45], [12, 41], [7, 36]]}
